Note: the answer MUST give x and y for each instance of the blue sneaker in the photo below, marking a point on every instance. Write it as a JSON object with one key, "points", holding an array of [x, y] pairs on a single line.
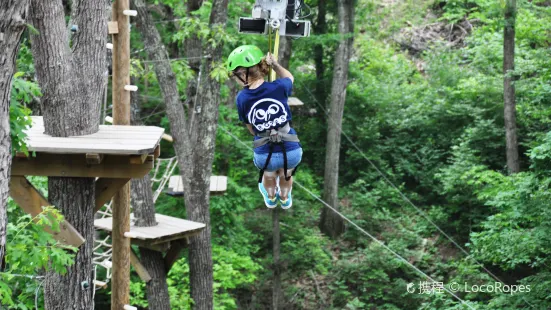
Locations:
{"points": [[270, 203], [285, 204]]}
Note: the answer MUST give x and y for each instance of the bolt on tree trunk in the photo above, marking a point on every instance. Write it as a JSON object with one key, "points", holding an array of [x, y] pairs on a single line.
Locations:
{"points": [[12, 24], [509, 87], [72, 80], [330, 223]]}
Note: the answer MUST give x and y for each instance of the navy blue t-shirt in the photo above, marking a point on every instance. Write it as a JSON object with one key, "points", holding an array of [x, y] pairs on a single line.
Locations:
{"points": [[266, 108]]}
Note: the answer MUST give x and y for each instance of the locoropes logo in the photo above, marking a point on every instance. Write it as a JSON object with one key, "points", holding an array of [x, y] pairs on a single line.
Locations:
{"points": [[267, 113]]}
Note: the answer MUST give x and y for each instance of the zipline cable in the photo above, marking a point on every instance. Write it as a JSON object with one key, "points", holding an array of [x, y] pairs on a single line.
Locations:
{"points": [[358, 227], [404, 197]]}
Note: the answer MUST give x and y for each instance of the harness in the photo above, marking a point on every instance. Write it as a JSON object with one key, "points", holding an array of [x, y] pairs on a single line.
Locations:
{"points": [[276, 137]]}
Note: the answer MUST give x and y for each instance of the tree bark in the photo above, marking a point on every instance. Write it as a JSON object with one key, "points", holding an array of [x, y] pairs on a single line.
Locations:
{"points": [[195, 147], [13, 15], [144, 213], [193, 51], [285, 47], [72, 80], [321, 28], [330, 223], [509, 87]]}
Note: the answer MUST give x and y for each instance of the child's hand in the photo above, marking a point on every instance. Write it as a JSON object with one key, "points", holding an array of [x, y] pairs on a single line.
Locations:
{"points": [[270, 60]]}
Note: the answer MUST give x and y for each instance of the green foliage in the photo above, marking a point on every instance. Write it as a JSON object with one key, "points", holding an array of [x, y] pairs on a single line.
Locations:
{"points": [[23, 92], [231, 271], [31, 251]]}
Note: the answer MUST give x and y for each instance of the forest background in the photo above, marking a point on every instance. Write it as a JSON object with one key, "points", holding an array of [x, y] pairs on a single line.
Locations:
{"points": [[424, 106]]}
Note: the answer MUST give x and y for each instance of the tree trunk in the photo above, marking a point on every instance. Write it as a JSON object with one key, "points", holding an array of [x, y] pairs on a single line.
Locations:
{"points": [[13, 14], [331, 224], [321, 28], [509, 87], [276, 289], [193, 51], [285, 47], [72, 81], [195, 147], [203, 138], [144, 213]]}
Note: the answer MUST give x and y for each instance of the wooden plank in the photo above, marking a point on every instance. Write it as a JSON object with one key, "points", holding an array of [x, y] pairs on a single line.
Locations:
{"points": [[138, 159], [72, 147], [71, 165], [105, 189], [218, 184], [32, 201], [20, 155], [113, 27], [168, 229], [157, 152], [174, 253], [94, 159], [139, 267], [161, 247]]}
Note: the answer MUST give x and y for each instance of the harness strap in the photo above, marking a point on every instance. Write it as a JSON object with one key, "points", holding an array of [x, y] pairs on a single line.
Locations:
{"points": [[275, 136], [261, 173]]}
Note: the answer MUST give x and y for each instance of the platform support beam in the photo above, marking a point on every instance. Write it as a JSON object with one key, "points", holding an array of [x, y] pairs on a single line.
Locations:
{"points": [[121, 116], [105, 189], [32, 201]]}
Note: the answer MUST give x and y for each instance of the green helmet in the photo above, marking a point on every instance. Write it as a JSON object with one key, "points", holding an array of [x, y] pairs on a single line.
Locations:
{"points": [[244, 56]]}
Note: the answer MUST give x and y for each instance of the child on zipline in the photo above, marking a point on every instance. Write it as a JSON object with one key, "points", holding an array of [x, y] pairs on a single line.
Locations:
{"points": [[263, 107]]}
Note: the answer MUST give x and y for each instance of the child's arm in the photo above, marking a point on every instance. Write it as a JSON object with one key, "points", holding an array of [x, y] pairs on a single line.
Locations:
{"points": [[279, 70]]}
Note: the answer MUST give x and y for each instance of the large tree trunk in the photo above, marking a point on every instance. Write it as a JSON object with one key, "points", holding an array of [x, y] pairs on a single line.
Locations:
{"points": [[509, 86], [13, 14], [195, 147], [203, 138], [330, 223], [144, 213], [72, 81], [193, 51]]}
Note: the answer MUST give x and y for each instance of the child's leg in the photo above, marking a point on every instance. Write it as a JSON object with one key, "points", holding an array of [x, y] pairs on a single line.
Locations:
{"points": [[269, 182], [285, 186]]}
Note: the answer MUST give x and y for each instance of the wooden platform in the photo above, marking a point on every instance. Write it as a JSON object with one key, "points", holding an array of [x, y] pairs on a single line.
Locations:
{"points": [[218, 185], [112, 156], [127, 140], [168, 228], [294, 101]]}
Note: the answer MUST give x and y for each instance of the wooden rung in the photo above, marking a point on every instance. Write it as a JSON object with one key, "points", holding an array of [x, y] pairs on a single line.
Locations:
{"points": [[130, 87], [109, 46], [130, 13], [138, 159], [130, 234], [113, 27], [129, 307], [94, 159], [100, 284]]}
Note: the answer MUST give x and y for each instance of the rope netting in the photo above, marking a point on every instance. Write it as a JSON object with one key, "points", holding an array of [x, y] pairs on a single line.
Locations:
{"points": [[103, 249]]}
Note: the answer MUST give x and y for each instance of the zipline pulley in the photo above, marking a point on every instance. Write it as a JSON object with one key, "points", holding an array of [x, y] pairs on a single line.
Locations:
{"points": [[277, 14]]}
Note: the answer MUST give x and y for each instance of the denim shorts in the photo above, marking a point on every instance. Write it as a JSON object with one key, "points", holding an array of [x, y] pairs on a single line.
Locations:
{"points": [[276, 162]]}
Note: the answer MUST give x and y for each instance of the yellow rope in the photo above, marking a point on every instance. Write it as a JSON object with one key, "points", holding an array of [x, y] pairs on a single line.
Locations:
{"points": [[276, 51]]}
